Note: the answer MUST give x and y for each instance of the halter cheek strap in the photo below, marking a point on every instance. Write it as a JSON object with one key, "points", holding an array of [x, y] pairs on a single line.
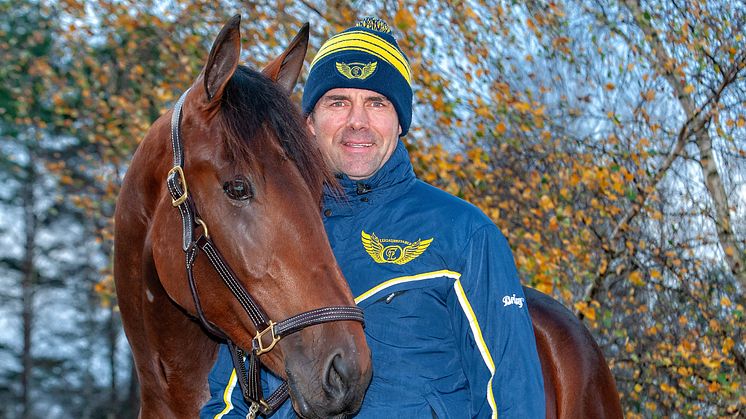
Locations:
{"points": [[268, 331]]}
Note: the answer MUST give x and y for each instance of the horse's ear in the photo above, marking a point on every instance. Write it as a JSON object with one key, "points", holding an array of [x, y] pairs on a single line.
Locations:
{"points": [[223, 58], [286, 68]]}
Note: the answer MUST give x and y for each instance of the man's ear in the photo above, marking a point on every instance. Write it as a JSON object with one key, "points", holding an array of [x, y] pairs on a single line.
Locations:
{"points": [[311, 128]]}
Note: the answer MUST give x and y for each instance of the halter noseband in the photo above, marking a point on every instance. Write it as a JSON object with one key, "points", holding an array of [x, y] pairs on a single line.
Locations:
{"points": [[268, 331]]}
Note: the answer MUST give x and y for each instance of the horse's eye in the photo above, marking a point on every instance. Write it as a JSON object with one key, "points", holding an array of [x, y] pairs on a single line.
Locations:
{"points": [[238, 188]]}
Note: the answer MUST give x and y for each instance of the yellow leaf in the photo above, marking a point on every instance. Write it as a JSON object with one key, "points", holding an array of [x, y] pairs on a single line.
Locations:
{"points": [[728, 345], [730, 251], [587, 311], [404, 19], [546, 203], [689, 89], [636, 278], [710, 363], [500, 127], [603, 267], [522, 106], [610, 86], [553, 224], [545, 287], [483, 111], [530, 24]]}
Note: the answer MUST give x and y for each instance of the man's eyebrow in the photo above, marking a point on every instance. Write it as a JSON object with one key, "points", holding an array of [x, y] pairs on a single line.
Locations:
{"points": [[379, 98], [372, 98], [336, 97]]}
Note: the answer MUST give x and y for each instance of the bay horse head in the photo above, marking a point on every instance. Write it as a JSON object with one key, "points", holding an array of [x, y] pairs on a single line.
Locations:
{"points": [[243, 177]]}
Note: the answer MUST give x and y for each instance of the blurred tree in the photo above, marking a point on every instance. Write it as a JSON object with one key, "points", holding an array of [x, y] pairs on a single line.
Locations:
{"points": [[49, 255]]}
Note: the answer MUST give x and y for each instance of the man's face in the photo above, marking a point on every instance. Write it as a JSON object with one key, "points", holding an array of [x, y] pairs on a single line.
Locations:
{"points": [[356, 129]]}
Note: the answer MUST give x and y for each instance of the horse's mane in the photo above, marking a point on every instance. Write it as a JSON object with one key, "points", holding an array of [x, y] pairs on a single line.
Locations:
{"points": [[253, 105]]}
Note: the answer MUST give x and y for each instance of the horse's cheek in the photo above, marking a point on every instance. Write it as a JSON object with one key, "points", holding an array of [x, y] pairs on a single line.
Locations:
{"points": [[168, 258]]}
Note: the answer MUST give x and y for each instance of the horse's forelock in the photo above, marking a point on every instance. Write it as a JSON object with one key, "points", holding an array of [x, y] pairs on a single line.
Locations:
{"points": [[250, 105]]}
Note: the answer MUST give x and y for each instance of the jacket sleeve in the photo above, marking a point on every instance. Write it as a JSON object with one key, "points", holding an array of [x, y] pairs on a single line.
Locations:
{"points": [[494, 331], [226, 400]]}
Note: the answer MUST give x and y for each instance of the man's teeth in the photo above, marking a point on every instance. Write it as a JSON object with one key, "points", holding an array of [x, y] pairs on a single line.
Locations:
{"points": [[358, 145]]}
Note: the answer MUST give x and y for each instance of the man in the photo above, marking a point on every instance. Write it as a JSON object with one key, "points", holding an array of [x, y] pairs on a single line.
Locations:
{"points": [[446, 319]]}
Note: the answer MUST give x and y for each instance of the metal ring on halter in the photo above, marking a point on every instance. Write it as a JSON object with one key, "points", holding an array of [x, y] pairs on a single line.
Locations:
{"points": [[204, 226]]}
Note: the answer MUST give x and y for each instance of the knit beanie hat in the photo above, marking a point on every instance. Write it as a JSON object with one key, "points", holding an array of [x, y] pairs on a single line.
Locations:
{"points": [[365, 56]]}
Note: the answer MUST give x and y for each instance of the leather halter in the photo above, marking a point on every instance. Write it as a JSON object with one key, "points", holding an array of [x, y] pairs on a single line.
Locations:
{"points": [[268, 331]]}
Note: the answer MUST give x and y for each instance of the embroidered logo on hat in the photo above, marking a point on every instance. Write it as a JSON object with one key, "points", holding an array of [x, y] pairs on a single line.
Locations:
{"points": [[357, 70]]}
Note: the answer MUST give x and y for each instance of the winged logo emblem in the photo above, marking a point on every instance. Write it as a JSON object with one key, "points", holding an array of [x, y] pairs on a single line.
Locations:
{"points": [[357, 70], [398, 252]]}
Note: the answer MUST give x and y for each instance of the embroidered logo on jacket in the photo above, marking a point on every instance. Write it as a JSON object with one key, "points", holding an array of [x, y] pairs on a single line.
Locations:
{"points": [[508, 300], [357, 70], [381, 252]]}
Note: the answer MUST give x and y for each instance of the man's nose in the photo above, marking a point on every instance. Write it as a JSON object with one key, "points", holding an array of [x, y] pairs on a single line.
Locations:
{"points": [[358, 117]]}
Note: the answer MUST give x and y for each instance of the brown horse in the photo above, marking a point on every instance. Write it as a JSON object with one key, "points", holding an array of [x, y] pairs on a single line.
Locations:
{"points": [[577, 381], [255, 178]]}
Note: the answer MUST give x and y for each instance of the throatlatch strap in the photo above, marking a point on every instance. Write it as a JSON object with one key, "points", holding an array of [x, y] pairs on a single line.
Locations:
{"points": [[191, 254]]}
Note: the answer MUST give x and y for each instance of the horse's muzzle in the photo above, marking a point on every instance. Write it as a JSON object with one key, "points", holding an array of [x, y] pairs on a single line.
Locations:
{"points": [[343, 381]]}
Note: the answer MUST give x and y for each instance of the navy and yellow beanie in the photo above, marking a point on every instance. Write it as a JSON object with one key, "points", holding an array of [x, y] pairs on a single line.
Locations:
{"points": [[365, 56]]}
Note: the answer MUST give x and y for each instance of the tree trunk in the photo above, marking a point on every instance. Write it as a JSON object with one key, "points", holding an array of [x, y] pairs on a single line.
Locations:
{"points": [[28, 286], [714, 183], [734, 256], [132, 401], [112, 338]]}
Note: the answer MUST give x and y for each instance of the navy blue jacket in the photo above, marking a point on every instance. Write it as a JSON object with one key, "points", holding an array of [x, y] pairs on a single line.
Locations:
{"points": [[446, 318]]}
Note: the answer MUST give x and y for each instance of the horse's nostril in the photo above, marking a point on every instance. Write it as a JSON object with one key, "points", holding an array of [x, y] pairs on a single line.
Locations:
{"points": [[336, 378]]}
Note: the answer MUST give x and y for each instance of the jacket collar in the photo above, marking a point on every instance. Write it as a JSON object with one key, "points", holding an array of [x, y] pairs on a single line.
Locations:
{"points": [[389, 182]]}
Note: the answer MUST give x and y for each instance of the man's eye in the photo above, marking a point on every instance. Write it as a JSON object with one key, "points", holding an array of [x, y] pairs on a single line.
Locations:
{"points": [[238, 189]]}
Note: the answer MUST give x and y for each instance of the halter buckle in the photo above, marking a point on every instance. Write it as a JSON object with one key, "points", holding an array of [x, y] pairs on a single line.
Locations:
{"points": [[180, 200], [259, 347]]}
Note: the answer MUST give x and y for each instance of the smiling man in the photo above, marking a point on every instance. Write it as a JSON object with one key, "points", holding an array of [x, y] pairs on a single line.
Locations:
{"points": [[357, 130], [446, 319]]}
